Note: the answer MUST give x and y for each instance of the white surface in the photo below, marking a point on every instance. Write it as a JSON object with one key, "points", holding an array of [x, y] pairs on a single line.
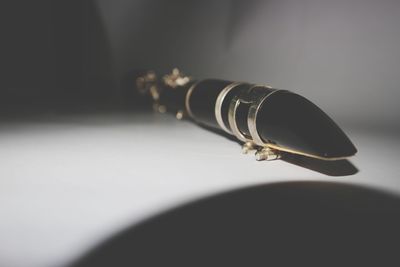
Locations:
{"points": [[67, 184]]}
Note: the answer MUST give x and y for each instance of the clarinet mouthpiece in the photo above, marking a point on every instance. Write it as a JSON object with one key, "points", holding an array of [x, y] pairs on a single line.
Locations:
{"points": [[293, 124], [271, 122]]}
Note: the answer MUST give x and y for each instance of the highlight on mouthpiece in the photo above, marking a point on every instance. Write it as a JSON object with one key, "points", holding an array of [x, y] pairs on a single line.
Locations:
{"points": [[292, 123]]}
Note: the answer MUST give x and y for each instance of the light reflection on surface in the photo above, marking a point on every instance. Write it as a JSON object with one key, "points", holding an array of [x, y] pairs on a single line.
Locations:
{"points": [[71, 183]]}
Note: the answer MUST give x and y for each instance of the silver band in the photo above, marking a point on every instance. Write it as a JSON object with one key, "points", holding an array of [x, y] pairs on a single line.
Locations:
{"points": [[232, 120], [218, 105], [252, 118], [187, 100], [243, 96]]}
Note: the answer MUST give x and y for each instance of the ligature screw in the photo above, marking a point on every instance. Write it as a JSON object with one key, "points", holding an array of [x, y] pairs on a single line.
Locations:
{"points": [[267, 154], [247, 147], [179, 115]]}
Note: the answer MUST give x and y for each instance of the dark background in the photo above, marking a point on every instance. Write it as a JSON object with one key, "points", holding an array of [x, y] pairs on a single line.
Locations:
{"points": [[55, 56], [343, 55]]}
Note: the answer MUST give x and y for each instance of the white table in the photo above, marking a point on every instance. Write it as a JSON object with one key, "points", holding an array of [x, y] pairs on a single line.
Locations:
{"points": [[67, 183]]}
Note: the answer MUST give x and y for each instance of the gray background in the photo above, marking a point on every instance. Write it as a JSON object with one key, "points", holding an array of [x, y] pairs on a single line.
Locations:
{"points": [[344, 55]]}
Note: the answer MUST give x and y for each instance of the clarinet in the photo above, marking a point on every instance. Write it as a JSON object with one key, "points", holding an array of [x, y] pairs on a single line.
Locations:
{"points": [[268, 121]]}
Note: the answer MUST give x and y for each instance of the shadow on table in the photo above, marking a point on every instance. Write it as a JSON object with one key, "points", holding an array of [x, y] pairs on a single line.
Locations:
{"points": [[328, 167], [341, 167], [296, 224]]}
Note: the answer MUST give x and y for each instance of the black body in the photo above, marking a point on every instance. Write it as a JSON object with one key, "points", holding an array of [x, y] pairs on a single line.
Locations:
{"points": [[285, 121], [203, 98]]}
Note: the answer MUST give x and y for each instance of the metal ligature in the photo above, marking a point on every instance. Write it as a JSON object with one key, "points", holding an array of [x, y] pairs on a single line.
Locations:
{"points": [[270, 122]]}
